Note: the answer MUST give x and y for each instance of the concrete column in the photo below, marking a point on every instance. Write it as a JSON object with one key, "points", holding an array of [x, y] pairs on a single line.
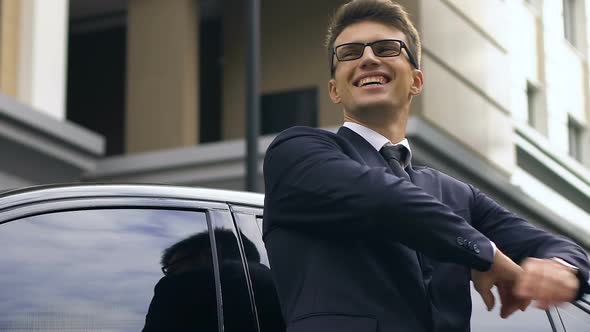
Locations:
{"points": [[234, 69], [9, 36], [162, 74], [43, 55]]}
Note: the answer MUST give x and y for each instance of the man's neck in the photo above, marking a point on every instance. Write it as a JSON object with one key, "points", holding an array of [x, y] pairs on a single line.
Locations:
{"points": [[393, 129]]}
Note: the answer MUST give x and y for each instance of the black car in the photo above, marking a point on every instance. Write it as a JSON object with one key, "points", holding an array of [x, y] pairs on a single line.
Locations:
{"points": [[160, 258]]}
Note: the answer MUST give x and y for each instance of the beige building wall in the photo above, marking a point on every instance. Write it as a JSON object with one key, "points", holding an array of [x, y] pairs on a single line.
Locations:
{"points": [[42, 55], [233, 89], [162, 74], [565, 71], [292, 56], [9, 36], [466, 68], [526, 54]]}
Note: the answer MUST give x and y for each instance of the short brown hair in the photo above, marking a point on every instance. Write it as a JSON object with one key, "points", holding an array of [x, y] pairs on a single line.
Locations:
{"points": [[382, 11]]}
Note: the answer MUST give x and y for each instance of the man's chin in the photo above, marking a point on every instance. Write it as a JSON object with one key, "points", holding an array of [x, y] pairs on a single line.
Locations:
{"points": [[375, 106]]}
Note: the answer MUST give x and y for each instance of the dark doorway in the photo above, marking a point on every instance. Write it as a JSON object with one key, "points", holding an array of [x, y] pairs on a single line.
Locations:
{"points": [[282, 110], [96, 76]]}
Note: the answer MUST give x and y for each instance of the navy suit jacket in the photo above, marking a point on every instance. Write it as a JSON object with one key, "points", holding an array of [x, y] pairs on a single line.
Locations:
{"points": [[355, 248]]}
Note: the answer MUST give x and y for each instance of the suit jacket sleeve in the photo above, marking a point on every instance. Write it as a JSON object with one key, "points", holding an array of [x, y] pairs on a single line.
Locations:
{"points": [[313, 186], [519, 239]]}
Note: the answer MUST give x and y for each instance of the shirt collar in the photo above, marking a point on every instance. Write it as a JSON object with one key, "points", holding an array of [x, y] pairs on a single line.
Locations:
{"points": [[377, 140]]}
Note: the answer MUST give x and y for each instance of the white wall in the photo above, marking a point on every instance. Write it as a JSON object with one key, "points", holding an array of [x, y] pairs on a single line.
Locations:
{"points": [[43, 55], [565, 71]]}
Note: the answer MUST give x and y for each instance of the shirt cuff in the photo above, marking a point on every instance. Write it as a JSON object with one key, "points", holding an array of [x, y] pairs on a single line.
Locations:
{"points": [[566, 264]]}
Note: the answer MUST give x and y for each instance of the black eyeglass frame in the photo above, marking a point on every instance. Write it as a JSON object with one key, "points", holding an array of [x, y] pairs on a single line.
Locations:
{"points": [[403, 45], [165, 268]]}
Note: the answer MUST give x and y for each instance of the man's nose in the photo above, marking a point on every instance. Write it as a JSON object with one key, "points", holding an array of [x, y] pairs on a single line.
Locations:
{"points": [[368, 57]]}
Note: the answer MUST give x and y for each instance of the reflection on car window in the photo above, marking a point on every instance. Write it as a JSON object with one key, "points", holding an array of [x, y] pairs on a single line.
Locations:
{"points": [[238, 315], [267, 304], [574, 318], [185, 298], [92, 270], [532, 320]]}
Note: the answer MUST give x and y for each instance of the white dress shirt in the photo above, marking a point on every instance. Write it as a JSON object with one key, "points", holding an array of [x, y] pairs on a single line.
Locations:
{"points": [[378, 141]]}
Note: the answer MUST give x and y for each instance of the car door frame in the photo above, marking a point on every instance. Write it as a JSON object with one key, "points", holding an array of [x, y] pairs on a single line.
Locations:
{"points": [[36, 207]]}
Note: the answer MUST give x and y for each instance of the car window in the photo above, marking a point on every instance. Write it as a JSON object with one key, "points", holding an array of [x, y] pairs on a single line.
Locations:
{"points": [[576, 318], [265, 295], [259, 223], [238, 312], [99, 270], [531, 320]]}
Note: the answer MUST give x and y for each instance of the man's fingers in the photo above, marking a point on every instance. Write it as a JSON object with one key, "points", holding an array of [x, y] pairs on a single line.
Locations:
{"points": [[524, 305], [508, 310], [488, 298], [510, 302], [512, 305], [547, 282], [543, 305]]}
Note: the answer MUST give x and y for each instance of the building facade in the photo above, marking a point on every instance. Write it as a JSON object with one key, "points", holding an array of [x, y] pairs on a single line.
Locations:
{"points": [[154, 91]]}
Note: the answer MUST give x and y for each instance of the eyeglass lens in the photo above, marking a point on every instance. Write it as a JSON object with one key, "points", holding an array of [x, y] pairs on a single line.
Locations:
{"points": [[381, 48]]}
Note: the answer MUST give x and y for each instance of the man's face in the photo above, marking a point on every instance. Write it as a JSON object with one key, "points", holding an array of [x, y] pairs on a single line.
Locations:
{"points": [[398, 80]]}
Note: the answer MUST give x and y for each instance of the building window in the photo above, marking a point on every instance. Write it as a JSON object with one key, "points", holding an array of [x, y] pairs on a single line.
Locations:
{"points": [[97, 71], [536, 111], [291, 108], [532, 108], [210, 84], [569, 21], [575, 133]]}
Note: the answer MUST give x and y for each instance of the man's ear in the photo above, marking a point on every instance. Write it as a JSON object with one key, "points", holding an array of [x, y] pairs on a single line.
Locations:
{"points": [[417, 83], [334, 92]]}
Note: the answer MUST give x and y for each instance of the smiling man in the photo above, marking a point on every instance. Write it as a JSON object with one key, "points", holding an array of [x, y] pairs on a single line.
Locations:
{"points": [[361, 240]]}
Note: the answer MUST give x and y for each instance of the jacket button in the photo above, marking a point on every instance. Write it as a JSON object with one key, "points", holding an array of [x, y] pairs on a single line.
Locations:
{"points": [[460, 241], [476, 249]]}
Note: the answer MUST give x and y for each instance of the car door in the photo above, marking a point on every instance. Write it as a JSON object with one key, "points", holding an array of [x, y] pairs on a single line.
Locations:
{"points": [[572, 317], [531, 320], [249, 223], [94, 264]]}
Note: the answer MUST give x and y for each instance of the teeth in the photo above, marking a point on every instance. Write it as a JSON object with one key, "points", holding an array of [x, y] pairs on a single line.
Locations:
{"points": [[372, 79]]}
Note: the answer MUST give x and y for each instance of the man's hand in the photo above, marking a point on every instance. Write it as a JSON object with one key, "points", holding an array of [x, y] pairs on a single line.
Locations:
{"points": [[503, 274], [546, 281]]}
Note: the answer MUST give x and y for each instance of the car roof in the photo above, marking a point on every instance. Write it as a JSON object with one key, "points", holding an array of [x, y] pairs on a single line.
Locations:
{"points": [[39, 194]]}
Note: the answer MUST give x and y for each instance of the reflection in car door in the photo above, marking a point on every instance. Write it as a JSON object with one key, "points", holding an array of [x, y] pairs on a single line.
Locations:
{"points": [[95, 269], [265, 295], [236, 291]]}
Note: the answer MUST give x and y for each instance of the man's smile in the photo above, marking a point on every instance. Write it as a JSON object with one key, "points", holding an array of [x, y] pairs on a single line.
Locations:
{"points": [[371, 79]]}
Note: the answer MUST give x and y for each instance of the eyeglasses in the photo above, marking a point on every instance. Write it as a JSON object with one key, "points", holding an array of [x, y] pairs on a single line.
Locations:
{"points": [[167, 269], [382, 48]]}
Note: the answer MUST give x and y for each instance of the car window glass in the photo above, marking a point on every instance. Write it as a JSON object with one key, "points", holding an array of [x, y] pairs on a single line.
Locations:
{"points": [[99, 270], [259, 223], [238, 315], [575, 318], [267, 304], [531, 320]]}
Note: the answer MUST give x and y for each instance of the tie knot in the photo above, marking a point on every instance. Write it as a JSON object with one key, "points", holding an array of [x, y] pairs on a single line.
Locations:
{"points": [[397, 152]]}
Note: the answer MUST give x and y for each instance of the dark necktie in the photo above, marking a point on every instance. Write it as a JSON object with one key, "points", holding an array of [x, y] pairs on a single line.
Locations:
{"points": [[394, 154]]}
